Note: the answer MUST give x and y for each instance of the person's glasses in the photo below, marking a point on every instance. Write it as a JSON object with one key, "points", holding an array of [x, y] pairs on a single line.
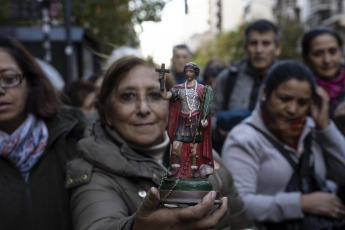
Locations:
{"points": [[10, 80]]}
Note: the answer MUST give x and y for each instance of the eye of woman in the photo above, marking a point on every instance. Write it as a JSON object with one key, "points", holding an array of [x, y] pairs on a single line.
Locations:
{"points": [[303, 102], [155, 95], [333, 50], [285, 98], [317, 53], [127, 96]]}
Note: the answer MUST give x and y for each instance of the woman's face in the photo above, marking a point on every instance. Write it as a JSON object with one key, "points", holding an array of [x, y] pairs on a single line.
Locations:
{"points": [[324, 56], [13, 99], [137, 111], [289, 102], [88, 105]]}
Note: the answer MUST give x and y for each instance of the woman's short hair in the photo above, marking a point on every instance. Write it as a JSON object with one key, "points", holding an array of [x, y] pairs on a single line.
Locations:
{"points": [[43, 99], [287, 70], [116, 72], [309, 36], [194, 66], [262, 26]]}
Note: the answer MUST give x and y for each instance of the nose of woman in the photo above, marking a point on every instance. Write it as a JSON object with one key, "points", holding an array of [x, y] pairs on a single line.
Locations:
{"points": [[143, 106], [292, 107]]}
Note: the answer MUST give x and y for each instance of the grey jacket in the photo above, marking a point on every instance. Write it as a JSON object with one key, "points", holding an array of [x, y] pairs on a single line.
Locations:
{"points": [[244, 94], [111, 180], [261, 173]]}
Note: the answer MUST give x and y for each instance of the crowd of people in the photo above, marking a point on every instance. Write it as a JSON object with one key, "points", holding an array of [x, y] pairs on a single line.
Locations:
{"points": [[93, 155]]}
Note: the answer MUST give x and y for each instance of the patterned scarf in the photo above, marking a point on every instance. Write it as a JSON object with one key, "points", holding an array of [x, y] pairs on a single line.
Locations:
{"points": [[334, 87], [290, 135], [25, 146]]}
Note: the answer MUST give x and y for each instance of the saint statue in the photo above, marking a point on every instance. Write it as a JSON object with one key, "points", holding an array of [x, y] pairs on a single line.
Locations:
{"points": [[189, 127]]}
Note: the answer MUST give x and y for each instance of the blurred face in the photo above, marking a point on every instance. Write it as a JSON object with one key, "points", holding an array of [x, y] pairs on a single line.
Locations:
{"points": [[261, 49], [88, 105], [190, 74], [180, 58], [137, 111], [324, 56], [289, 103], [98, 83], [211, 81], [13, 99]]}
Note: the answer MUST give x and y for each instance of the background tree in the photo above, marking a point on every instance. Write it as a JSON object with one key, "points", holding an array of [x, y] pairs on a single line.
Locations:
{"points": [[292, 33], [109, 21]]}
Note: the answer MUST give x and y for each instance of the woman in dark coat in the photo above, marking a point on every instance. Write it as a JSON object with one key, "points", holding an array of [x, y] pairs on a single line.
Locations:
{"points": [[37, 137]]}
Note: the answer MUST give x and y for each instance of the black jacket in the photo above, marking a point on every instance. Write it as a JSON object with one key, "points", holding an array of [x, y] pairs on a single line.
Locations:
{"points": [[42, 203]]}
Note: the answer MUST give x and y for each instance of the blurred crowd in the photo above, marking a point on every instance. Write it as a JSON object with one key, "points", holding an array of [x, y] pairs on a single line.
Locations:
{"points": [[92, 155]]}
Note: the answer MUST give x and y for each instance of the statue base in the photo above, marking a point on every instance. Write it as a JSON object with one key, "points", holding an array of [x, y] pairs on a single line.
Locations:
{"points": [[187, 191]]}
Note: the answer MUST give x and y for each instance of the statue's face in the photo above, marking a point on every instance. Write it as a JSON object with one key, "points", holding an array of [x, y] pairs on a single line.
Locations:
{"points": [[190, 74]]}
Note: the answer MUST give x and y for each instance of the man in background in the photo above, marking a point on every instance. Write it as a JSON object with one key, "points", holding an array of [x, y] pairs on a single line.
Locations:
{"points": [[181, 56], [237, 87]]}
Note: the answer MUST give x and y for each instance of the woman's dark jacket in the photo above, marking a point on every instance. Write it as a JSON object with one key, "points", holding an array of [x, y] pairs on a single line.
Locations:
{"points": [[42, 203]]}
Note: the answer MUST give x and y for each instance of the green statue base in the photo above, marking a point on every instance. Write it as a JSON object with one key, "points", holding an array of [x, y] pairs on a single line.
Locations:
{"points": [[185, 191]]}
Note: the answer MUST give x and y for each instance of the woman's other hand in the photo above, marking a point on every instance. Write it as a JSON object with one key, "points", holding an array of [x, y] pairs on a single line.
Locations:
{"points": [[151, 216], [320, 109], [322, 204]]}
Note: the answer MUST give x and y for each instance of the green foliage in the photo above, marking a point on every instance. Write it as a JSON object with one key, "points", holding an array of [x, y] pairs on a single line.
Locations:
{"points": [[207, 101], [113, 21], [109, 21], [229, 46], [292, 32]]}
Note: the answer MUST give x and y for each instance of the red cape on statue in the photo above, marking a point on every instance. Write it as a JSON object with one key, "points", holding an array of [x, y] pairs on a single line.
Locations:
{"points": [[204, 149]]}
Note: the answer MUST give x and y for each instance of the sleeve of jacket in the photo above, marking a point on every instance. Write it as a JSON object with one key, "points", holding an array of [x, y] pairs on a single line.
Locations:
{"points": [[237, 217], [332, 143], [98, 206], [241, 155]]}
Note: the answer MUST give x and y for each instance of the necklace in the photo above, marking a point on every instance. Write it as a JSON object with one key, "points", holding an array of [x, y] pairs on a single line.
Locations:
{"points": [[193, 96]]}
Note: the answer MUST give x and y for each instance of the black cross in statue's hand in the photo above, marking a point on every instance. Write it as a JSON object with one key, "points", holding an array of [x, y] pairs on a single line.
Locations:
{"points": [[162, 71]]}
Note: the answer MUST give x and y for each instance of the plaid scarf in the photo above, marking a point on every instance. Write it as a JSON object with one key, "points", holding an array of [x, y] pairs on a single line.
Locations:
{"points": [[25, 146]]}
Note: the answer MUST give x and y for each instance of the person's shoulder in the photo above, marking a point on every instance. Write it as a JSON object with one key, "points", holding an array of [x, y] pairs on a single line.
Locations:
{"points": [[66, 115], [78, 172], [244, 133], [68, 119], [75, 114], [233, 70], [238, 66]]}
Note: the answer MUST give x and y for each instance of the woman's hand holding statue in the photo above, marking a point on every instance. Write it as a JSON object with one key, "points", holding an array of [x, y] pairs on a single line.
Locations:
{"points": [[151, 216]]}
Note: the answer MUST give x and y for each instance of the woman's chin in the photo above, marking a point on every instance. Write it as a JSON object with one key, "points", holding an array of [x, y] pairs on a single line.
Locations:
{"points": [[147, 141]]}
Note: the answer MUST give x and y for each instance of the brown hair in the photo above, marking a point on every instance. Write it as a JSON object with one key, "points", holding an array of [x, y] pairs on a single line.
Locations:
{"points": [[43, 99], [77, 91]]}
